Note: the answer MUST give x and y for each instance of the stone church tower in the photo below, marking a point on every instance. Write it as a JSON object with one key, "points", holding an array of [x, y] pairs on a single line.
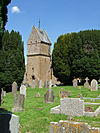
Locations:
{"points": [[38, 56]]}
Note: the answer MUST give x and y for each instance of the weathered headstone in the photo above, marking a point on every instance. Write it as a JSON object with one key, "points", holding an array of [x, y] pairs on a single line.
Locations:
{"points": [[37, 95], [86, 84], [2, 95], [14, 88], [64, 94], [50, 83], [33, 84], [40, 84], [23, 90], [18, 103], [94, 85], [46, 84], [72, 127], [9, 123], [49, 96], [74, 83]]}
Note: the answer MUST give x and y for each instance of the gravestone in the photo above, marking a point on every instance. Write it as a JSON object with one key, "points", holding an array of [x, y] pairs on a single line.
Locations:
{"points": [[40, 83], [33, 84], [23, 90], [37, 95], [14, 88], [50, 83], [18, 103], [49, 96], [86, 84], [94, 85], [64, 94], [72, 127], [74, 83], [46, 84], [2, 95], [9, 123]]}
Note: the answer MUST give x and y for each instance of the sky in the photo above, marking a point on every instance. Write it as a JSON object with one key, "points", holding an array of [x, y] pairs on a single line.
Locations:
{"points": [[57, 17]]}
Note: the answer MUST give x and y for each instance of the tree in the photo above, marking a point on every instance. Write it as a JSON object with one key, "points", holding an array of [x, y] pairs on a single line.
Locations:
{"points": [[13, 63], [82, 55]]}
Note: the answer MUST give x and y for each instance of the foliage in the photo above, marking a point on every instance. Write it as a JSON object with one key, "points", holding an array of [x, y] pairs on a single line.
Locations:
{"points": [[36, 116], [80, 55], [12, 65]]}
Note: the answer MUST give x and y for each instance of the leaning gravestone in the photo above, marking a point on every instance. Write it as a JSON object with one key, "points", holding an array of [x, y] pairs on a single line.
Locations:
{"points": [[86, 84], [23, 90], [14, 88], [74, 83], [40, 84], [18, 103], [94, 85], [49, 96], [33, 84]]}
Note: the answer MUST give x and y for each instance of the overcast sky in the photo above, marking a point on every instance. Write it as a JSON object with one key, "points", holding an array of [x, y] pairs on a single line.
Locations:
{"points": [[56, 17]]}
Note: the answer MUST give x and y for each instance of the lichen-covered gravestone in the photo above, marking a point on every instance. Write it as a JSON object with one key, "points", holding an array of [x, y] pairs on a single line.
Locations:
{"points": [[14, 88], [23, 90], [74, 83], [18, 103], [86, 84], [63, 94], [94, 85]]}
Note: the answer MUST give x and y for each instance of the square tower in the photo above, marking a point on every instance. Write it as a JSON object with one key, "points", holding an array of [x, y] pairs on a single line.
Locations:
{"points": [[38, 56]]}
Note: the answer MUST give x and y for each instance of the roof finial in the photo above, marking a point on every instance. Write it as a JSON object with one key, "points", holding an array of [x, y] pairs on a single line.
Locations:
{"points": [[39, 24]]}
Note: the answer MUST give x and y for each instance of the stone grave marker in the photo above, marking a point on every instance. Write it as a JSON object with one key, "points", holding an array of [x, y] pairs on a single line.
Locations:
{"points": [[86, 84], [23, 90], [37, 95], [49, 96], [18, 103], [14, 88], [64, 94], [2, 95], [94, 85], [33, 84], [46, 84], [74, 83], [40, 83]]}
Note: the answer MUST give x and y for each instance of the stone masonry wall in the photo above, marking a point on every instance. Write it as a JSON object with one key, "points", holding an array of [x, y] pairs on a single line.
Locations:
{"points": [[71, 127]]}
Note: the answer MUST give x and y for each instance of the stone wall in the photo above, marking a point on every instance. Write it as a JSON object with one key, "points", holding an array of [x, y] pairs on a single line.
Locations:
{"points": [[71, 127]]}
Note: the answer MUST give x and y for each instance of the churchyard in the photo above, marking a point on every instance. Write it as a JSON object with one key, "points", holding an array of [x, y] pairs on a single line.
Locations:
{"points": [[36, 116]]}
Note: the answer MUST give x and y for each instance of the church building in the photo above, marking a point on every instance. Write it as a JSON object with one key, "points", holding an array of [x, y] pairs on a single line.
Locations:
{"points": [[38, 56]]}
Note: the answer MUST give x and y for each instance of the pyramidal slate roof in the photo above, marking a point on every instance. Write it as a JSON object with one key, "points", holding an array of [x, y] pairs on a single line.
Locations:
{"points": [[43, 36]]}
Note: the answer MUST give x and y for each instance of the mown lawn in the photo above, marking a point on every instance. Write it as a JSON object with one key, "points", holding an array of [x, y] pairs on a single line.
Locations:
{"points": [[36, 117]]}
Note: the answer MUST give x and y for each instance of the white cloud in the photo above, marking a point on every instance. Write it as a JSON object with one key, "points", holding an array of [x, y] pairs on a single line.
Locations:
{"points": [[15, 9]]}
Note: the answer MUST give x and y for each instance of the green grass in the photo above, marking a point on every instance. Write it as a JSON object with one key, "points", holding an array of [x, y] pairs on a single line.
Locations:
{"points": [[36, 116]]}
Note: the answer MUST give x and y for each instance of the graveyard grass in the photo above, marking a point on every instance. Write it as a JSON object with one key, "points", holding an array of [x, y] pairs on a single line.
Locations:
{"points": [[36, 116]]}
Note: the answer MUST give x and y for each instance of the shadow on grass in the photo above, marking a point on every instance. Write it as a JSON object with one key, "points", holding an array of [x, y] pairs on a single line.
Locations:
{"points": [[5, 117]]}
